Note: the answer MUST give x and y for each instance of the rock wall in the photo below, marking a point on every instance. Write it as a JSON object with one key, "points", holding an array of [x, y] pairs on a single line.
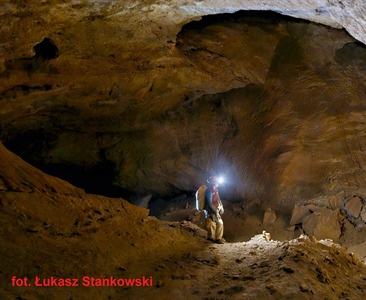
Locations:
{"points": [[275, 104]]}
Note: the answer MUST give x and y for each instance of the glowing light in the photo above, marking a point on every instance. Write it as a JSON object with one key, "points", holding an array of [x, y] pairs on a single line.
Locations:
{"points": [[221, 180]]}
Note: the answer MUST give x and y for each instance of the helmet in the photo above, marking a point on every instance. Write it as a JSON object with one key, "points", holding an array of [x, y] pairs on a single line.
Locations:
{"points": [[214, 180]]}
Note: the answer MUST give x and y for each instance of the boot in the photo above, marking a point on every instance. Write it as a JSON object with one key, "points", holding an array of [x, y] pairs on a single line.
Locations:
{"points": [[220, 241]]}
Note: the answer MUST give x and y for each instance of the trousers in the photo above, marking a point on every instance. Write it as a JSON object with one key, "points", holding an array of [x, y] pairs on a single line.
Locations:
{"points": [[214, 227]]}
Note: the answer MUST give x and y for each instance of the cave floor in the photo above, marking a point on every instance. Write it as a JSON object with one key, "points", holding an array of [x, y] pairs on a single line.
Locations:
{"points": [[178, 263], [57, 233], [261, 268]]}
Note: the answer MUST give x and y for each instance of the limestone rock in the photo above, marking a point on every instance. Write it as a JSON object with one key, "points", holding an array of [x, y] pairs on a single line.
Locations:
{"points": [[142, 201], [358, 250], [298, 214], [335, 201], [270, 217], [353, 206], [313, 207], [363, 213], [323, 224], [136, 99], [359, 224], [291, 228], [17, 175], [352, 233]]}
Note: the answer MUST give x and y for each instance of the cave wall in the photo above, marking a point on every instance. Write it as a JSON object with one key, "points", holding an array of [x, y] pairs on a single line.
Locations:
{"points": [[275, 104]]}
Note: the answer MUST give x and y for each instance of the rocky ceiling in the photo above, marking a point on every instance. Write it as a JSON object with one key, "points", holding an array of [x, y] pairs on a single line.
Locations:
{"points": [[119, 97]]}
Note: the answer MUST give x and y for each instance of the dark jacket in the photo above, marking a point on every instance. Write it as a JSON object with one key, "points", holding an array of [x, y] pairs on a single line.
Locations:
{"points": [[212, 201]]}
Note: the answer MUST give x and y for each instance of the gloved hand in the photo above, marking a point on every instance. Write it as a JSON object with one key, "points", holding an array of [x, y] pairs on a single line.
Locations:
{"points": [[220, 209]]}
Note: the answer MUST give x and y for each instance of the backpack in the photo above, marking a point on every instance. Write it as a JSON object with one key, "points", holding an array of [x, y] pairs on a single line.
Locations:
{"points": [[200, 197]]}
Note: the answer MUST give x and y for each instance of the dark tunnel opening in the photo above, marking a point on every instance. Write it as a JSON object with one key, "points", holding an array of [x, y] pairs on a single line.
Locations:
{"points": [[250, 17], [94, 180], [97, 179], [46, 49]]}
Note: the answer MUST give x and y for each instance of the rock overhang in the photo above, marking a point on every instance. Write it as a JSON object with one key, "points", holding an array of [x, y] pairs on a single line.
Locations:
{"points": [[163, 20], [146, 29]]}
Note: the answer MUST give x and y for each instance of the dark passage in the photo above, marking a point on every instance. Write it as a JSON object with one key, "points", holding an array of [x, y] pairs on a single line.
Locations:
{"points": [[46, 49]]}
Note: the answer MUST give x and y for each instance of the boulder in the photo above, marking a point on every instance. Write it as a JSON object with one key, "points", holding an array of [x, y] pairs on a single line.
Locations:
{"points": [[270, 217], [353, 206], [323, 224], [298, 213]]}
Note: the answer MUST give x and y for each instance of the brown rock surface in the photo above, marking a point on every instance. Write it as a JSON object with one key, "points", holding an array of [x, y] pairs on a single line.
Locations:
{"points": [[358, 250], [267, 269], [323, 224], [298, 213], [335, 201], [53, 232], [119, 99], [353, 207], [270, 217], [155, 117], [350, 235], [18, 176], [48, 234]]}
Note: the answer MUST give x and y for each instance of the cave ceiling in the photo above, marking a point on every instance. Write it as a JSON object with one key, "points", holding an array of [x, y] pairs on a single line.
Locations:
{"points": [[152, 96]]}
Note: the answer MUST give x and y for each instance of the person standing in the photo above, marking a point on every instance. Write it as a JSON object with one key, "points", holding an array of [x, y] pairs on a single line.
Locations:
{"points": [[213, 210]]}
